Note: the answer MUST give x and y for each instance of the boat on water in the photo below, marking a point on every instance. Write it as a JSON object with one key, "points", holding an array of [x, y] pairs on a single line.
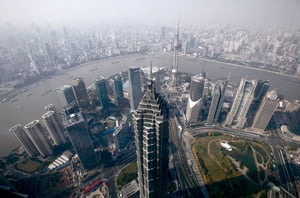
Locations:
{"points": [[4, 100], [14, 100], [94, 69], [294, 80], [139, 59], [43, 94], [19, 107], [29, 95]]}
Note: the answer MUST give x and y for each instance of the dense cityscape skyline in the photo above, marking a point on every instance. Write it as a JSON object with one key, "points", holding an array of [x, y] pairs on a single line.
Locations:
{"points": [[190, 12], [216, 114]]}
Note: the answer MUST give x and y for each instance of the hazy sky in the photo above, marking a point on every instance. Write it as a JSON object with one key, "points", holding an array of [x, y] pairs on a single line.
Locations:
{"points": [[151, 11]]}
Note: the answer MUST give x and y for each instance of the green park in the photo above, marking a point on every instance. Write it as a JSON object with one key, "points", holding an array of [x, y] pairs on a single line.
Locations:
{"points": [[241, 171]]}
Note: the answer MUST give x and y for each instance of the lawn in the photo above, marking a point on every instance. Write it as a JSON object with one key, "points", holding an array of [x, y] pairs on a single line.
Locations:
{"points": [[246, 159], [265, 153], [220, 174], [29, 166], [127, 174]]}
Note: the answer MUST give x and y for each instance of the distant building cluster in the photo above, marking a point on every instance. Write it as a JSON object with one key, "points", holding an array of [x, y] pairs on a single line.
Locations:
{"points": [[271, 48], [30, 54], [50, 50]]}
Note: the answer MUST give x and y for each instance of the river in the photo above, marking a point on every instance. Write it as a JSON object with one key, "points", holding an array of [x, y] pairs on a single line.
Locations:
{"points": [[30, 104]]}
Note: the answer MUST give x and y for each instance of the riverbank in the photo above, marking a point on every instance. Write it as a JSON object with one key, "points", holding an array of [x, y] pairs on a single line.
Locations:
{"points": [[249, 67], [242, 66], [30, 103]]}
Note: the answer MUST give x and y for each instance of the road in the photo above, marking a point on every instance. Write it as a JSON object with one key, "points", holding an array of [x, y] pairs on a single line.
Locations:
{"points": [[188, 183]]}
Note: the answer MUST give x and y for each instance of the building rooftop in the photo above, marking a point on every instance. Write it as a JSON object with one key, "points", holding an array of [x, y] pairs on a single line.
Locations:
{"points": [[48, 114], [31, 124], [73, 119], [129, 189]]}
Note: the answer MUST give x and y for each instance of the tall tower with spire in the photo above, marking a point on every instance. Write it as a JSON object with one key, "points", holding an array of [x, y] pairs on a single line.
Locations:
{"points": [[177, 46], [151, 129]]}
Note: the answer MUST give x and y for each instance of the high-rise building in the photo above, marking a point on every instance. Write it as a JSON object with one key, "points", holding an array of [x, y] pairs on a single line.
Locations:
{"points": [[197, 94], [217, 102], [101, 91], [24, 140], [54, 126], [118, 89], [81, 140], [152, 133], [65, 95], [37, 134], [265, 111], [241, 104], [135, 87], [81, 94], [261, 89], [50, 107]]}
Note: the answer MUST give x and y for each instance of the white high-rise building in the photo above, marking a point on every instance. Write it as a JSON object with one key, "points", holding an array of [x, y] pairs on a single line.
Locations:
{"points": [[38, 136], [24, 140], [54, 127], [198, 91]]}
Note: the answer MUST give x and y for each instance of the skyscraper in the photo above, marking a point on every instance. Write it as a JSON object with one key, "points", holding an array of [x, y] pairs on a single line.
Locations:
{"points": [[265, 111], [241, 104], [118, 89], [81, 94], [135, 87], [54, 127], [151, 129], [81, 140], [65, 95], [217, 101], [50, 107], [261, 89], [101, 91], [24, 140], [38, 136], [196, 97]]}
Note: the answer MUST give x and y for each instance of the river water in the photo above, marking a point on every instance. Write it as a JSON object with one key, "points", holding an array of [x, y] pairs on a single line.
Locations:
{"points": [[30, 104]]}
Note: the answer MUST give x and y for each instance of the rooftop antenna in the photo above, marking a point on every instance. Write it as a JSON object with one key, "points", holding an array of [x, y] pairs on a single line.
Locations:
{"points": [[177, 47], [150, 72]]}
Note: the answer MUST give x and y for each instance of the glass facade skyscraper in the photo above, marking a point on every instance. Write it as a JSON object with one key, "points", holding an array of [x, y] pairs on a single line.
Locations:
{"points": [[81, 94], [101, 91], [65, 95], [81, 140], [118, 89], [135, 87], [241, 104], [151, 129]]}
